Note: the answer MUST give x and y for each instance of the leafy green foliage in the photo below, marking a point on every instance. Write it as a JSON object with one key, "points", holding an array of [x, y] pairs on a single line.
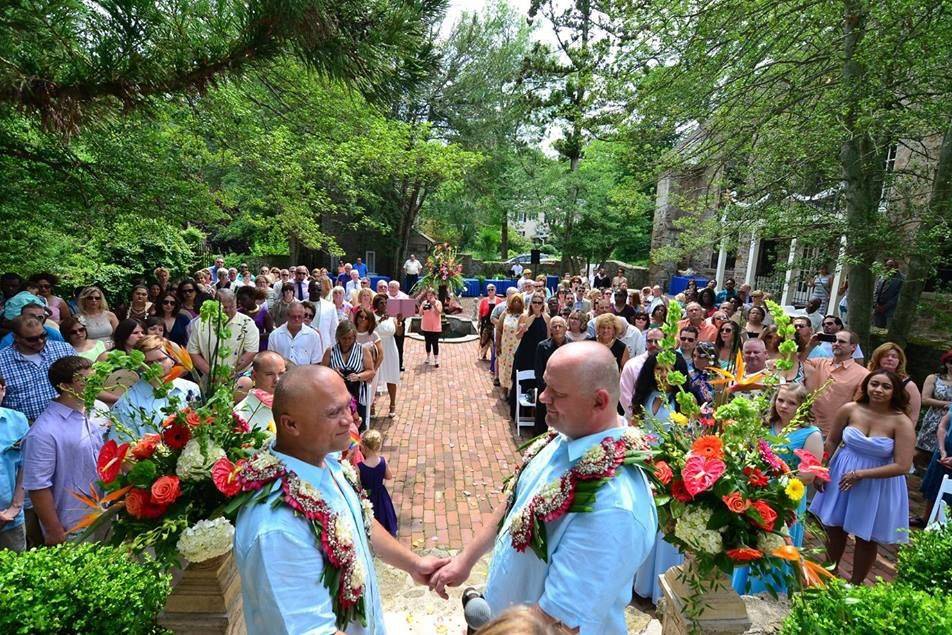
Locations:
{"points": [[926, 562], [80, 588], [882, 608]]}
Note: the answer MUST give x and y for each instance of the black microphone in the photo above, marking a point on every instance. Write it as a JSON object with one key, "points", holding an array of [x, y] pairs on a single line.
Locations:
{"points": [[476, 610]]}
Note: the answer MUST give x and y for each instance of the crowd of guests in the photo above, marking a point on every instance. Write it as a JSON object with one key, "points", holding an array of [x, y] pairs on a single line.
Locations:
{"points": [[865, 413], [276, 318]]}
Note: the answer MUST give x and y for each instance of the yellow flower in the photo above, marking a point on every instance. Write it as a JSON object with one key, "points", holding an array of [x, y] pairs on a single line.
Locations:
{"points": [[679, 418], [795, 489], [273, 429]]}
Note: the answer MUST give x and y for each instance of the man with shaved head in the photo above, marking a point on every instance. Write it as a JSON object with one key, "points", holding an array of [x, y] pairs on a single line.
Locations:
{"points": [[586, 580], [280, 560], [267, 367]]}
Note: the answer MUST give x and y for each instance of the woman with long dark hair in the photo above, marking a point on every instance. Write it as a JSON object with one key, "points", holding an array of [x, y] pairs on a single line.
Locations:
{"points": [[727, 343], [867, 496]]}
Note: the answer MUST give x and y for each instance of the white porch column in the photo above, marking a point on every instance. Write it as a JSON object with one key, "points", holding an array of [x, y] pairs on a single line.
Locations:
{"points": [[752, 255], [721, 256], [833, 308], [788, 277]]}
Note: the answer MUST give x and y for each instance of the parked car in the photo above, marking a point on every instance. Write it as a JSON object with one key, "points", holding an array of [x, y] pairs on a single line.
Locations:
{"points": [[525, 259]]}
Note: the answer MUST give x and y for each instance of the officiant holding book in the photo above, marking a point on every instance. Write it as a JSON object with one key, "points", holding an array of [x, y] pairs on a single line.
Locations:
{"points": [[579, 518]]}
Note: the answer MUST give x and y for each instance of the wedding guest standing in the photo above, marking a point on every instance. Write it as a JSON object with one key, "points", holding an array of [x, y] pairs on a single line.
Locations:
{"points": [[255, 407], [388, 372], [354, 364], [374, 470], [431, 324], [95, 314], [937, 397], [13, 428], [890, 357], [866, 496]]}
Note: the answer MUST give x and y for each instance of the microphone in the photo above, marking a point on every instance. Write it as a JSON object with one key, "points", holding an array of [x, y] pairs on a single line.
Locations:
{"points": [[476, 611]]}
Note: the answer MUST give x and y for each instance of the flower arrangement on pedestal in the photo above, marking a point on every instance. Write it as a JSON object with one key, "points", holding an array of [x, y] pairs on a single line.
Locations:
{"points": [[442, 268], [723, 495]]}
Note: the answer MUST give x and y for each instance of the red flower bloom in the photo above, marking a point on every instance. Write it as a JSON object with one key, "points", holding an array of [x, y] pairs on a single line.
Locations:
{"points": [[165, 490], [145, 448], [225, 477], [708, 446], [239, 424], [744, 554], [767, 516], [679, 491], [110, 460], [755, 477], [176, 436], [736, 502], [140, 505], [662, 472]]}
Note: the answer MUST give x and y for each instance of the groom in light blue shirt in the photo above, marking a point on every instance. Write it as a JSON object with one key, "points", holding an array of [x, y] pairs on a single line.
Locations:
{"points": [[592, 556], [277, 555]]}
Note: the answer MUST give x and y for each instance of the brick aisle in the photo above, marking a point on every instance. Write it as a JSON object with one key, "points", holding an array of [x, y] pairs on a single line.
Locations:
{"points": [[450, 446]]}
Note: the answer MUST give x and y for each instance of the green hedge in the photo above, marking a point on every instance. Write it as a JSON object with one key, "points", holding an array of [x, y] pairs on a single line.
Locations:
{"points": [[867, 610], [926, 562], [79, 588]]}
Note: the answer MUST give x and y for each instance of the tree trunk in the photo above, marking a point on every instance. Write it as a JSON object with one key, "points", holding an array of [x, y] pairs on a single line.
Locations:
{"points": [[860, 203], [921, 261], [504, 236]]}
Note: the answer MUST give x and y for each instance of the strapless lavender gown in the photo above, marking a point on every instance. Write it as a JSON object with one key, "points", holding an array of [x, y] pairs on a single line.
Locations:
{"points": [[875, 509]]}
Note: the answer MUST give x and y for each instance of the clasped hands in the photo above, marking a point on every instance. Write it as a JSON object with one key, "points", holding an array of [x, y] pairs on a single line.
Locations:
{"points": [[439, 573]]}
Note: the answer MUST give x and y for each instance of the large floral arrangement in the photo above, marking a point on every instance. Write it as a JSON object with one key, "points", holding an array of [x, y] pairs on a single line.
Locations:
{"points": [[166, 491], [442, 268], [723, 494]]}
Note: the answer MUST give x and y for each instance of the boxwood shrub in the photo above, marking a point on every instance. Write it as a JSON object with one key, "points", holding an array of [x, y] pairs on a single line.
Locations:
{"points": [[867, 610], [926, 562], [79, 588]]}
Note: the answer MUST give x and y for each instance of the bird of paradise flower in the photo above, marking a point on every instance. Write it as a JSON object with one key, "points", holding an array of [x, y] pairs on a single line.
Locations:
{"points": [[813, 574], [183, 361], [99, 504], [738, 381]]}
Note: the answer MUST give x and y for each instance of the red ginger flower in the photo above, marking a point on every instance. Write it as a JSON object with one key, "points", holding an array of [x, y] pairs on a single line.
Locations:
{"points": [[110, 460]]}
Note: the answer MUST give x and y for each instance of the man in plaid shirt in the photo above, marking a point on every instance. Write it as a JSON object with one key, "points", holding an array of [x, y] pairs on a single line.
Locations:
{"points": [[25, 365]]}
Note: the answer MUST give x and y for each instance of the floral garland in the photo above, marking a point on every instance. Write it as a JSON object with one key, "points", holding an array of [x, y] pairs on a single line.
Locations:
{"points": [[575, 491], [344, 575]]}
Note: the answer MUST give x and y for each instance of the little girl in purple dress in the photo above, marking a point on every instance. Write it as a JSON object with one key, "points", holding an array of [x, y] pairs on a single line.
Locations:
{"points": [[373, 471], [867, 496]]}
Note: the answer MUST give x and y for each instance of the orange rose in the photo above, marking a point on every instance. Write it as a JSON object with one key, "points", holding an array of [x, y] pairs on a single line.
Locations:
{"points": [[165, 490], [139, 504], [736, 502], [145, 447], [708, 446], [191, 418], [768, 517], [662, 472]]}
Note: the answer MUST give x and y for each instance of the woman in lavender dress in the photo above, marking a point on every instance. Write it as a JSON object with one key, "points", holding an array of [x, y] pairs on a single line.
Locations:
{"points": [[867, 495]]}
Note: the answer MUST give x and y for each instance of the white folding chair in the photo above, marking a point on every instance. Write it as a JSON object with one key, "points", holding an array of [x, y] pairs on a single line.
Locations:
{"points": [[524, 402], [937, 517]]}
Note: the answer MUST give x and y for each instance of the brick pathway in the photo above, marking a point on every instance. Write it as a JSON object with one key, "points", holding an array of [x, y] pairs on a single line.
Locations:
{"points": [[452, 444]]}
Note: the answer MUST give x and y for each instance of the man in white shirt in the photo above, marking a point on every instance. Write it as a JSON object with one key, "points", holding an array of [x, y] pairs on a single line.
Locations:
{"points": [[353, 285], [412, 268], [240, 347], [284, 276], [629, 374], [516, 270], [295, 341]]}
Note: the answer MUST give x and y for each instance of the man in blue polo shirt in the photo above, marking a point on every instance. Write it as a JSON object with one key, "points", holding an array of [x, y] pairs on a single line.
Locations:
{"points": [[586, 582], [361, 268]]}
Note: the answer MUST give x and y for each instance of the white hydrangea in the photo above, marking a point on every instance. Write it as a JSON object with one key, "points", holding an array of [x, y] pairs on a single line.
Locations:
{"points": [[768, 542], [206, 539], [692, 529], [193, 465]]}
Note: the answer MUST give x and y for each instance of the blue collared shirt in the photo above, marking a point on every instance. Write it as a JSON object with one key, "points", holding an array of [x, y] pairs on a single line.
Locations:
{"points": [[13, 427], [281, 564], [593, 556], [28, 387], [140, 411]]}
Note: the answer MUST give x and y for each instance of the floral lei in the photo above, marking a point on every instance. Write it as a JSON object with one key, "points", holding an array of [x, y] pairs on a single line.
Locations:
{"points": [[344, 575], [574, 492]]}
